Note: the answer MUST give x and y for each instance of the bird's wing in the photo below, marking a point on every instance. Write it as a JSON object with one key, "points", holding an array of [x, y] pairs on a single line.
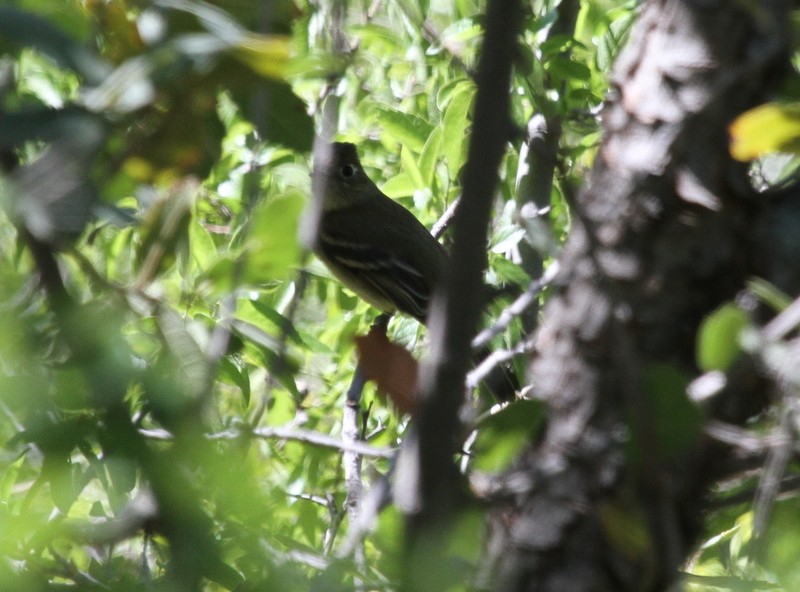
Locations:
{"points": [[389, 275]]}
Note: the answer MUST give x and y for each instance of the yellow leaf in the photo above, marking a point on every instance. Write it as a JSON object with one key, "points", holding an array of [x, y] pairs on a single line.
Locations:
{"points": [[267, 55], [769, 128]]}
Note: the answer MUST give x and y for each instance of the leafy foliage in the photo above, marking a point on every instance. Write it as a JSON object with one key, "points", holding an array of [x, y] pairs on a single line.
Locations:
{"points": [[157, 152]]}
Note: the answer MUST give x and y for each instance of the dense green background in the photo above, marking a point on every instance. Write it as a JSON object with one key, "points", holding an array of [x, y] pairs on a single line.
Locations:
{"points": [[161, 150]]}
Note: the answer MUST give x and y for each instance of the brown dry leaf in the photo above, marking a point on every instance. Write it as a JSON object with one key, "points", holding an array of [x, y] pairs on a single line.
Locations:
{"points": [[391, 367]]}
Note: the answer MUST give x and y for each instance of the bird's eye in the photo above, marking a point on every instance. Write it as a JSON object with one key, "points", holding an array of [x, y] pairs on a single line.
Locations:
{"points": [[348, 171]]}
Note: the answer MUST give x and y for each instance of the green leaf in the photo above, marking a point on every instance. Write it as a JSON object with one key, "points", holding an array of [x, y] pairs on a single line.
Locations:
{"points": [[430, 156], [407, 129], [461, 32], [502, 435], [568, 69], [237, 376], [279, 115], [400, 185], [769, 294], [455, 126], [674, 419], [411, 169], [718, 338], [280, 322], [273, 251], [508, 271], [783, 543]]}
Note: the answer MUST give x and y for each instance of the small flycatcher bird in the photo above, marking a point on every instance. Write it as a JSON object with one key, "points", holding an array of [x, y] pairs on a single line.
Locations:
{"points": [[371, 243], [379, 249]]}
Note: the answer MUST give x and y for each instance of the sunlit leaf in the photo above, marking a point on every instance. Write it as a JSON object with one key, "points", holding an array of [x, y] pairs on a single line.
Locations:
{"points": [[455, 126], [273, 251], [769, 128], [165, 231], [404, 128], [267, 55]]}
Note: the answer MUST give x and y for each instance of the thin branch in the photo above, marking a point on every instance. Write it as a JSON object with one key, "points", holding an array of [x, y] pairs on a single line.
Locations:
{"points": [[496, 359], [771, 477], [741, 439], [516, 308], [784, 323], [281, 433], [372, 503], [446, 219], [788, 485]]}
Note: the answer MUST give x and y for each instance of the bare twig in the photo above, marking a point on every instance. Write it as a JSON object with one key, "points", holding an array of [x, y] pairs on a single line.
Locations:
{"points": [[516, 308], [497, 358], [446, 219], [771, 477], [784, 323], [739, 438], [371, 504], [281, 433]]}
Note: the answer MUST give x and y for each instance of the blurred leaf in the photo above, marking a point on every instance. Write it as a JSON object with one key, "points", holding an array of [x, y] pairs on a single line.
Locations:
{"points": [[280, 322], [783, 543], [769, 128], [251, 332], [503, 434], [46, 125], [190, 361], [718, 338], [25, 29], [674, 418], [265, 55], [279, 115], [769, 294], [52, 195], [392, 368], [461, 31], [237, 376], [567, 69], [410, 168], [400, 185], [625, 527], [508, 271], [273, 251], [165, 230]]}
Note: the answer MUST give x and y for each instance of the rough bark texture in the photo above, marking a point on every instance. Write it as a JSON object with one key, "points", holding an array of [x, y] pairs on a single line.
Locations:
{"points": [[663, 234]]}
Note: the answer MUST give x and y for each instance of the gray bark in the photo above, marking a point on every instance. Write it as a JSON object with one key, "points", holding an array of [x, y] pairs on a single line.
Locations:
{"points": [[663, 234]]}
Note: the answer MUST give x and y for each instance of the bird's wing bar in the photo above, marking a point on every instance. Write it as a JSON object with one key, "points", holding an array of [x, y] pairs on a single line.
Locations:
{"points": [[399, 282]]}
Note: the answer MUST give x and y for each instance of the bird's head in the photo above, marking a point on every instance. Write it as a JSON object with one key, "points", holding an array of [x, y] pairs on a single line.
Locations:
{"points": [[338, 176]]}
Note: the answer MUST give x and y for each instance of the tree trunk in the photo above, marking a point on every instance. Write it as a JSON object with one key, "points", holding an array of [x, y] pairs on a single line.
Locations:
{"points": [[609, 498]]}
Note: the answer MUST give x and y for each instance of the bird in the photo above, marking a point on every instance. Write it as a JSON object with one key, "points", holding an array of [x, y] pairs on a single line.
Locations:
{"points": [[370, 242], [378, 248]]}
